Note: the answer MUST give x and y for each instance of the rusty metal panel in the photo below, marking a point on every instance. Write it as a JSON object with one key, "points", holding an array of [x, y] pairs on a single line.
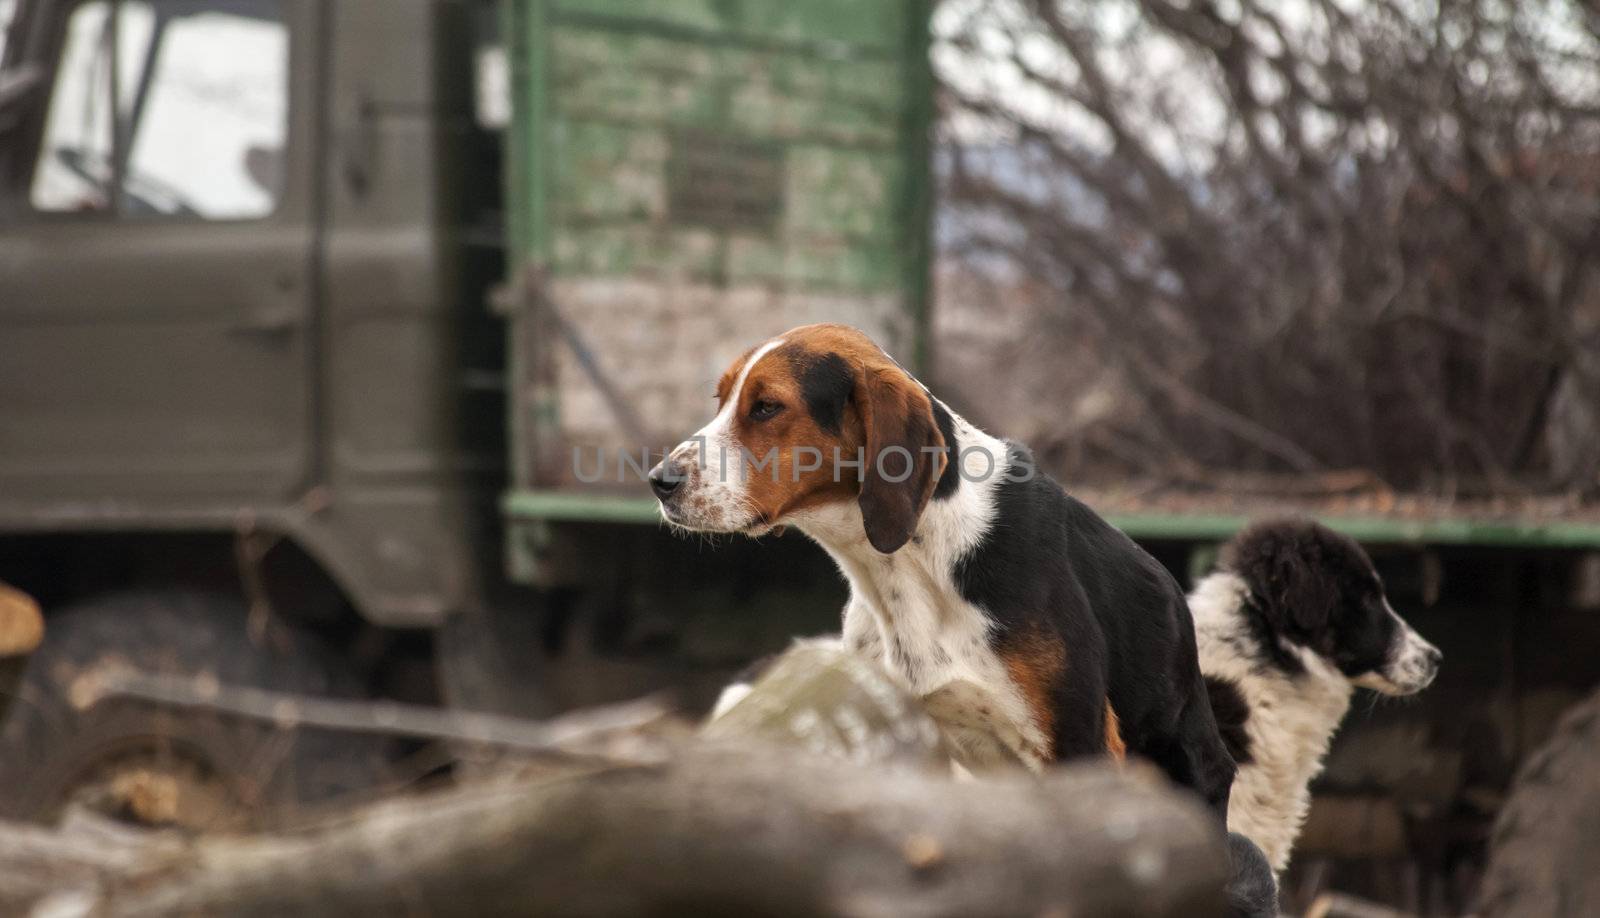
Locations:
{"points": [[692, 176], [724, 182]]}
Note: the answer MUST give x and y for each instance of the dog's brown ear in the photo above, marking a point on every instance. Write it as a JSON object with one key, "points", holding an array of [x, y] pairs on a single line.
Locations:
{"points": [[905, 454]]}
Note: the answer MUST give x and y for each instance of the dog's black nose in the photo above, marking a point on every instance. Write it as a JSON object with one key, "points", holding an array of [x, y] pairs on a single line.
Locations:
{"points": [[1434, 655], [666, 478]]}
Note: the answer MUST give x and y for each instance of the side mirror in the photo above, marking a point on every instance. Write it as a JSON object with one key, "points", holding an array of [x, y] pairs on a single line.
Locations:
{"points": [[17, 86]]}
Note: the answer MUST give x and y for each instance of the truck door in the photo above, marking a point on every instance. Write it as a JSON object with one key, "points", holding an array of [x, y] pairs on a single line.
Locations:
{"points": [[157, 241]]}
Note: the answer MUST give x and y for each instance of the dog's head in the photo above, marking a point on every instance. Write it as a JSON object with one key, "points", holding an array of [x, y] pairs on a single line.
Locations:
{"points": [[1317, 589], [819, 415]]}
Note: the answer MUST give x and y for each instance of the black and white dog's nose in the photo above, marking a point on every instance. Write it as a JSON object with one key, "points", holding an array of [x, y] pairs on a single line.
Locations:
{"points": [[666, 478]]}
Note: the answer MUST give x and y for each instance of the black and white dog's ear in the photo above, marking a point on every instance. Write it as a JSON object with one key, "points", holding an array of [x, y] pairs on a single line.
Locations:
{"points": [[1283, 563], [1306, 595]]}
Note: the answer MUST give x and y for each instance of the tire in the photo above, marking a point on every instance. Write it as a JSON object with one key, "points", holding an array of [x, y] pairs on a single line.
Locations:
{"points": [[161, 765], [491, 659], [1545, 851]]}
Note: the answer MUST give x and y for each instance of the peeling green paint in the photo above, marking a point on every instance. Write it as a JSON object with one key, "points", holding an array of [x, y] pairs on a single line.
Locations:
{"points": [[622, 81], [850, 26]]}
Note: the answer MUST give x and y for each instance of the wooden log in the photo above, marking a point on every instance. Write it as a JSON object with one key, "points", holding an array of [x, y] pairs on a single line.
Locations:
{"points": [[72, 860], [828, 701], [720, 829], [822, 699], [856, 816]]}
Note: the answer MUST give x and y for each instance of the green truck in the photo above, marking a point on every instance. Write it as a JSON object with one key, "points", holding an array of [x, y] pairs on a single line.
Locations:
{"points": [[305, 306], [333, 334]]}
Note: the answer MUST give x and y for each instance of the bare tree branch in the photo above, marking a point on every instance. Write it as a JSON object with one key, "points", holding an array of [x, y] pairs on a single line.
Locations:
{"points": [[1356, 237]]}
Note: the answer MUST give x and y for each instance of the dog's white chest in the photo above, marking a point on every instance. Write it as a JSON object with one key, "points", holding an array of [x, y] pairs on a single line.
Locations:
{"points": [[931, 639], [906, 610]]}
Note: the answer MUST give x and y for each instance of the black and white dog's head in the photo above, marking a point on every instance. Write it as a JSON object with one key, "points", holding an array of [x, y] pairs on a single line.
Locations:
{"points": [[1314, 588]]}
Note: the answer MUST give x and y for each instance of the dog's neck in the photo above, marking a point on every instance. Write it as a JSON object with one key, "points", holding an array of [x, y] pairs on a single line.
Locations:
{"points": [[1293, 715], [905, 607], [949, 527]]}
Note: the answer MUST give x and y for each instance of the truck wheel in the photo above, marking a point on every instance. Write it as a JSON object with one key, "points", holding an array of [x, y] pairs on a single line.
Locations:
{"points": [[492, 658], [159, 765], [1546, 840]]}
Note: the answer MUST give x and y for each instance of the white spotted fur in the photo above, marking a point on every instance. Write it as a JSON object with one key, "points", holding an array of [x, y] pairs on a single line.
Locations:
{"points": [[1292, 718], [715, 487]]}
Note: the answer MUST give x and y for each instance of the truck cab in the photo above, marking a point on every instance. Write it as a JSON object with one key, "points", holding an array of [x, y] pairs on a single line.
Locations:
{"points": [[253, 397], [243, 251]]}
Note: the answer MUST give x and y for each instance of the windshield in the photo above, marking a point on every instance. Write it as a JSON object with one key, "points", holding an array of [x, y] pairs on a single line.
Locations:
{"points": [[167, 107]]}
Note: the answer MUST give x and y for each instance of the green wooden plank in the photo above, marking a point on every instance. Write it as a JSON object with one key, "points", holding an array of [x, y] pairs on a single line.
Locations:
{"points": [[825, 27], [566, 506], [1376, 530], [663, 75]]}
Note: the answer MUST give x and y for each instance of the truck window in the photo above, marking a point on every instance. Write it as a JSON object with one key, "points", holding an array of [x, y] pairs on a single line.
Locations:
{"points": [[202, 104], [7, 9]]}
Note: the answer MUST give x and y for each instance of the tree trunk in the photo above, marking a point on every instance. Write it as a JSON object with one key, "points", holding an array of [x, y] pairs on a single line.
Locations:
{"points": [[748, 831], [827, 791]]}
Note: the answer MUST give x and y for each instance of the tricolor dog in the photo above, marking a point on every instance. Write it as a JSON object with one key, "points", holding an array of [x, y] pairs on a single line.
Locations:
{"points": [[964, 562], [1293, 621]]}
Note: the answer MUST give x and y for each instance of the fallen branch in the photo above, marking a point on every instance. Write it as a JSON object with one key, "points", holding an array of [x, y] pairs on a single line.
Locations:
{"points": [[71, 861], [290, 711], [753, 830], [857, 815]]}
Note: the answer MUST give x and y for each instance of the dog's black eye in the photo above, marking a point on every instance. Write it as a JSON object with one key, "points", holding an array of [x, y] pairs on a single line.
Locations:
{"points": [[763, 409]]}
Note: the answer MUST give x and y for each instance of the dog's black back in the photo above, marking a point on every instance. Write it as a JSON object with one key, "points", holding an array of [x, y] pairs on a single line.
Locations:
{"points": [[1049, 563]]}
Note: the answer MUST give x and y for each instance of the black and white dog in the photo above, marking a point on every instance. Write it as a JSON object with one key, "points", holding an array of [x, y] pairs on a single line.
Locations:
{"points": [[1292, 622]]}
